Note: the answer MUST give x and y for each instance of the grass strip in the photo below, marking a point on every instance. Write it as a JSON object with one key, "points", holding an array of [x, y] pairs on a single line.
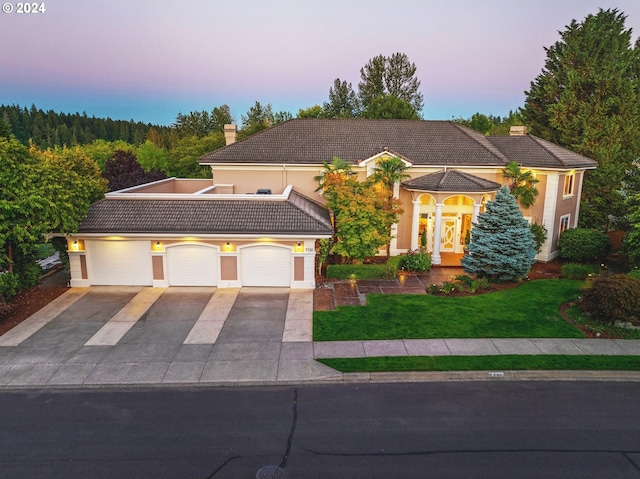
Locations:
{"points": [[529, 311], [483, 363]]}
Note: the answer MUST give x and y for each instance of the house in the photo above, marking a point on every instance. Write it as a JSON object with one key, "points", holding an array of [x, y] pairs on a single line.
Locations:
{"points": [[257, 220]]}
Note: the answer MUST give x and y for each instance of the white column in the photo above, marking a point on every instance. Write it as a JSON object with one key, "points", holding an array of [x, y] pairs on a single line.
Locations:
{"points": [[437, 234], [415, 224], [476, 212]]}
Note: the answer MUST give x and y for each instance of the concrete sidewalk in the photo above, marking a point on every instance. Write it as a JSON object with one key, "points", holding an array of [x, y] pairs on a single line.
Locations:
{"points": [[475, 347]]}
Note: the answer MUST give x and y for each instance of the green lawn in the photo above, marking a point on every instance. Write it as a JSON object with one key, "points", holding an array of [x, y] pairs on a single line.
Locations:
{"points": [[528, 311], [484, 363]]}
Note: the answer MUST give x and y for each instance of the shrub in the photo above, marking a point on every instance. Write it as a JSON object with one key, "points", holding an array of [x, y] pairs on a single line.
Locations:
{"points": [[9, 285], [613, 298], [539, 235], [635, 273], [418, 261], [356, 271], [392, 266], [584, 245], [579, 271]]}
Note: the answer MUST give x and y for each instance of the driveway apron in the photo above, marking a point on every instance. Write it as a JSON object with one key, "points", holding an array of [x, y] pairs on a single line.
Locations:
{"points": [[248, 346], [62, 340]]}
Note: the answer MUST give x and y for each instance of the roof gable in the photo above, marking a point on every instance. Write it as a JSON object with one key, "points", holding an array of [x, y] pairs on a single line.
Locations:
{"points": [[451, 180]]}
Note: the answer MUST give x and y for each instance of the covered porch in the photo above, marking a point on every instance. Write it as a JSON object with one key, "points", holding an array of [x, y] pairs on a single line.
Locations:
{"points": [[445, 206]]}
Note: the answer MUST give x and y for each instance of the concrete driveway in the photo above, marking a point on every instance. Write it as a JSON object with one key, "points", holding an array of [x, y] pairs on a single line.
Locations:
{"points": [[134, 335]]}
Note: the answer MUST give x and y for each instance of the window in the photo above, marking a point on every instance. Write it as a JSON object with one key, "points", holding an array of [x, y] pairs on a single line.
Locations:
{"points": [[564, 223], [569, 183]]}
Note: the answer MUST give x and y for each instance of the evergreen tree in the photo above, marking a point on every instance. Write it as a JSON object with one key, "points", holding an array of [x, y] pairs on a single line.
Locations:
{"points": [[258, 118], [587, 99], [502, 246], [394, 76], [343, 102]]}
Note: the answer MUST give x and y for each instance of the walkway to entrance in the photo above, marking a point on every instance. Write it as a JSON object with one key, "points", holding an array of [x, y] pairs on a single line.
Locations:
{"points": [[329, 295]]}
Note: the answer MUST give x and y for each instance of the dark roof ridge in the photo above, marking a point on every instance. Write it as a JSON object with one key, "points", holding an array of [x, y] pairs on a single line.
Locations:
{"points": [[296, 199], [468, 132], [545, 145]]}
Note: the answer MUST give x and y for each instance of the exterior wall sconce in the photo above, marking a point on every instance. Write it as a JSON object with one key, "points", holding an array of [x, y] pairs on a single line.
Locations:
{"points": [[157, 246], [74, 246], [227, 246], [299, 247]]}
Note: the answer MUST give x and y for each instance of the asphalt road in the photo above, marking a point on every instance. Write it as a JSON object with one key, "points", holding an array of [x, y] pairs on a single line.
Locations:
{"points": [[427, 430]]}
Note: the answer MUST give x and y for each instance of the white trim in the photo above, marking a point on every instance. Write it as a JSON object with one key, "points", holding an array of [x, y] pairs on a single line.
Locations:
{"points": [[123, 195]]}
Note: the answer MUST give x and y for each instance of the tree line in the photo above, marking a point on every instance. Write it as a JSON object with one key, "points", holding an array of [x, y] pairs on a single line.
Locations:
{"points": [[50, 129]]}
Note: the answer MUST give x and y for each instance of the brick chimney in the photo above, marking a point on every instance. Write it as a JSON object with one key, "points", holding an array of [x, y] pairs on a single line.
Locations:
{"points": [[230, 134], [516, 131]]}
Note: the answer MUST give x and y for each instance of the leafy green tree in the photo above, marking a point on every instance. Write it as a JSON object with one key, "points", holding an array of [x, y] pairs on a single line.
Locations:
{"points": [[394, 76], [101, 150], [203, 123], [502, 245], [522, 184], [40, 193], [152, 157], [390, 107], [492, 125], [258, 118], [183, 157], [361, 211], [343, 101], [314, 111], [587, 99], [281, 116], [387, 173]]}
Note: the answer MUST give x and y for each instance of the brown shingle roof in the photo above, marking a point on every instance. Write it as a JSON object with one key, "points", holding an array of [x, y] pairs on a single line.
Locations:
{"points": [[531, 151], [297, 215], [312, 140], [436, 143], [451, 180]]}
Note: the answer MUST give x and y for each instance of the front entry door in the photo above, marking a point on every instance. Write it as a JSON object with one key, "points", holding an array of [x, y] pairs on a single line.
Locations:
{"points": [[448, 241]]}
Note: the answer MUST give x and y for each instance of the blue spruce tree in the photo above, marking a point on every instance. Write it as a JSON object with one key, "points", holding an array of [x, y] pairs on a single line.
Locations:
{"points": [[502, 246]]}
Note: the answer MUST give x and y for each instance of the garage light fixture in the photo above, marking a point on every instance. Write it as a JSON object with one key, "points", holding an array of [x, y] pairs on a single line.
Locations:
{"points": [[227, 246], [74, 245]]}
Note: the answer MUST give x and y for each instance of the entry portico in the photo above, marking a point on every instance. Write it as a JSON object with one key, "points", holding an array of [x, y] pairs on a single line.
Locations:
{"points": [[445, 205]]}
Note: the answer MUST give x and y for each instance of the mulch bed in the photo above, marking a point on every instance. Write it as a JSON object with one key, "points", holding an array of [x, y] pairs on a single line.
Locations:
{"points": [[27, 302]]}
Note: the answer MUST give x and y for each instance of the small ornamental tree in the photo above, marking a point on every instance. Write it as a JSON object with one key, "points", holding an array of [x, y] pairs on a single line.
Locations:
{"points": [[502, 246]]}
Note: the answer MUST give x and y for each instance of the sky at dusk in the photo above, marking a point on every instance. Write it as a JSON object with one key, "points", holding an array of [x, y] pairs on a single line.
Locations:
{"points": [[148, 60]]}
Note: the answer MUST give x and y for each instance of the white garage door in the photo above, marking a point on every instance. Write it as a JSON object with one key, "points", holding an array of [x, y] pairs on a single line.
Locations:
{"points": [[192, 265], [119, 262], [266, 266]]}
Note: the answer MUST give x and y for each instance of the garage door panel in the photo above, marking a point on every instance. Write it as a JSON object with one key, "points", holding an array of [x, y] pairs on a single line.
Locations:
{"points": [[192, 265], [119, 263], [266, 266]]}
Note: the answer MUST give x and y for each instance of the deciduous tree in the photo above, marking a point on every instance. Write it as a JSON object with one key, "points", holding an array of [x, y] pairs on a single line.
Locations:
{"points": [[394, 76], [124, 171]]}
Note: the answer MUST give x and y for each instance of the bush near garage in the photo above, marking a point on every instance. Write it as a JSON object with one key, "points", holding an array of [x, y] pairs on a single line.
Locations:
{"points": [[613, 298], [584, 245]]}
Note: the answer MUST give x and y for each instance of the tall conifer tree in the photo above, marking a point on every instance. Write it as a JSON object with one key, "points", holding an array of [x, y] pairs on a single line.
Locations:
{"points": [[502, 246]]}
